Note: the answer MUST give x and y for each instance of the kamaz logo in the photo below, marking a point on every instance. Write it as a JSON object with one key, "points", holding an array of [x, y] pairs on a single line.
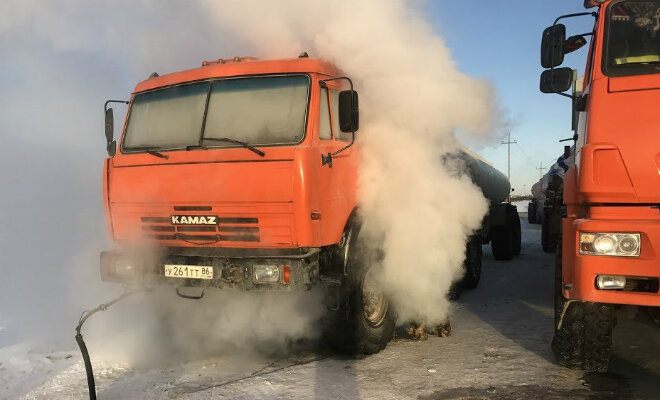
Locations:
{"points": [[194, 219]]}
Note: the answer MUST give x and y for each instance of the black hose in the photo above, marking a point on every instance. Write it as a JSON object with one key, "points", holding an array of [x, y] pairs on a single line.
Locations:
{"points": [[88, 367], [91, 385]]}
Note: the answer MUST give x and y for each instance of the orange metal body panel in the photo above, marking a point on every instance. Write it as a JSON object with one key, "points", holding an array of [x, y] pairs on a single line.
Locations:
{"points": [[584, 270], [280, 190], [615, 180]]}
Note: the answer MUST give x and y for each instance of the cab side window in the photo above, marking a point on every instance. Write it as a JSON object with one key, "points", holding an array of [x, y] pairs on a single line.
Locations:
{"points": [[324, 116], [339, 135]]}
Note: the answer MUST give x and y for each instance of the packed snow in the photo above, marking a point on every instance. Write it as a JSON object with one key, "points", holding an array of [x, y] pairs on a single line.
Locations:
{"points": [[499, 349]]}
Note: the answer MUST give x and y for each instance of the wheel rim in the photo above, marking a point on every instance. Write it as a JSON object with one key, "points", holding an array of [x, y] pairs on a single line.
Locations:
{"points": [[374, 302]]}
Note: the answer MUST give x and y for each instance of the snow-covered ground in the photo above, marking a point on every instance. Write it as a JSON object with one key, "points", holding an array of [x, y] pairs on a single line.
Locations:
{"points": [[499, 349]]}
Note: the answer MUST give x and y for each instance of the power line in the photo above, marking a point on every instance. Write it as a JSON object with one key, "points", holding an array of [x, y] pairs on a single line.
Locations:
{"points": [[541, 169], [508, 144]]}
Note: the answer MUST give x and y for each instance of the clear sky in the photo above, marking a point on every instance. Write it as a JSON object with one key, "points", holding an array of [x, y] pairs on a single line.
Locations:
{"points": [[500, 41]]}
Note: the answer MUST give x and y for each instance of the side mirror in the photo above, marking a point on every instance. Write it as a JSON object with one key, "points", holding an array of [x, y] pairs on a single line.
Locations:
{"points": [[574, 43], [567, 152], [349, 115], [109, 125], [556, 80], [111, 147], [552, 46]]}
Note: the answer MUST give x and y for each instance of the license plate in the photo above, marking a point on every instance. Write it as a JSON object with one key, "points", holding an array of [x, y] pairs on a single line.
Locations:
{"points": [[188, 271]]}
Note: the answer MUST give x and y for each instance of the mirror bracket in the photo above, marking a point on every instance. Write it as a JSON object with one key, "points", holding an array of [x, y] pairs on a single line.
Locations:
{"points": [[111, 148], [324, 83], [581, 102], [326, 159]]}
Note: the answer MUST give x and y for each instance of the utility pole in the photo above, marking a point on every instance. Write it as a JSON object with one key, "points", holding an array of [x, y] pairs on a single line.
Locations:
{"points": [[541, 169], [508, 144]]}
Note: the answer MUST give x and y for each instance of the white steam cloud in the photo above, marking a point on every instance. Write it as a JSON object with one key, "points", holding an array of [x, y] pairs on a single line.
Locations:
{"points": [[61, 60], [412, 99]]}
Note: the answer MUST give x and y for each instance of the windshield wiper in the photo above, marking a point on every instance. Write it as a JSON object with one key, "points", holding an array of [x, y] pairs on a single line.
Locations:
{"points": [[150, 150], [246, 145]]}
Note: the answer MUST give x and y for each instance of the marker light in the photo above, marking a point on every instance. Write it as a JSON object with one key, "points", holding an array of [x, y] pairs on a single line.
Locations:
{"points": [[593, 3], [286, 274], [266, 273], [610, 244]]}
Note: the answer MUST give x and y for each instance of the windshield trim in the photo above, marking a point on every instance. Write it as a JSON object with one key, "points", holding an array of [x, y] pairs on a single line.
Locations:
{"points": [[631, 69], [129, 150]]}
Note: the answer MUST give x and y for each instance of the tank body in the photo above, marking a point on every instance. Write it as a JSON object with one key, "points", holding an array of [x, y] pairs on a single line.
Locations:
{"points": [[493, 183]]}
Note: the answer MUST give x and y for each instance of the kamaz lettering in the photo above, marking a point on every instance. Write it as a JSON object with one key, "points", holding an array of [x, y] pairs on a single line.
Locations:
{"points": [[194, 220]]}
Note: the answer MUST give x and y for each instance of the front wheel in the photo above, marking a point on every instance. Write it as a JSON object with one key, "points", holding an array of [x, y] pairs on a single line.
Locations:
{"points": [[583, 330], [365, 320], [472, 264]]}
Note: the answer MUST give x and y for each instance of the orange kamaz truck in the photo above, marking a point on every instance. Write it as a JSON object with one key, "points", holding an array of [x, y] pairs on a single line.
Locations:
{"points": [[242, 174], [609, 249]]}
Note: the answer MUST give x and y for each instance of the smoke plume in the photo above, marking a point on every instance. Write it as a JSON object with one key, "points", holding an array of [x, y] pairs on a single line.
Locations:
{"points": [[412, 100]]}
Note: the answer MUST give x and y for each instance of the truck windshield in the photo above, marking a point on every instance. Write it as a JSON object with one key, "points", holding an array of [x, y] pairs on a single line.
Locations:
{"points": [[258, 111], [633, 38]]}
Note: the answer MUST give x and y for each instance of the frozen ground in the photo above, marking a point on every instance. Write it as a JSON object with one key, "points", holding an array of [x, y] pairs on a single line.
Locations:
{"points": [[498, 350]]}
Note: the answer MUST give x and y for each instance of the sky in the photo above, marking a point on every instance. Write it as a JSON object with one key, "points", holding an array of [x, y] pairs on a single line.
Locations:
{"points": [[500, 41], [62, 60]]}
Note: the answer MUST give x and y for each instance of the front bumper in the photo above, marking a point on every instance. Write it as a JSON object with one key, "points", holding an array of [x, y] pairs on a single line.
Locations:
{"points": [[644, 269], [232, 268]]}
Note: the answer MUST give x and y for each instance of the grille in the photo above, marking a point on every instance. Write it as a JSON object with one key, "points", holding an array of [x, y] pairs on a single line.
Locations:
{"points": [[227, 229]]}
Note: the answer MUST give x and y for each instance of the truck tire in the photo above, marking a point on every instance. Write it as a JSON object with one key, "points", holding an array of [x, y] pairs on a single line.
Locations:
{"points": [[531, 212], [503, 238], [472, 264], [517, 232], [584, 339], [455, 290], [548, 240], [365, 320]]}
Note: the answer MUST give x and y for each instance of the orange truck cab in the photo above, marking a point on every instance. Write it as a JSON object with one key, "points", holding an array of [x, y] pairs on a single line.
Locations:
{"points": [[242, 174], [609, 252], [186, 185]]}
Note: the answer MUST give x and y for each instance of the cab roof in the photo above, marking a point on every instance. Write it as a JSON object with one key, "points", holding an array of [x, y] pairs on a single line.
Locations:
{"points": [[239, 66]]}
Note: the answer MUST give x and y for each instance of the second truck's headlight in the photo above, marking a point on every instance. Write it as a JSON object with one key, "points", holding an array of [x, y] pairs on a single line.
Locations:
{"points": [[610, 244]]}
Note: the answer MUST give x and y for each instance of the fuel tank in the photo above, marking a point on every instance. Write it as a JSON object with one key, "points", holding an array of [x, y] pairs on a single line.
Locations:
{"points": [[494, 185]]}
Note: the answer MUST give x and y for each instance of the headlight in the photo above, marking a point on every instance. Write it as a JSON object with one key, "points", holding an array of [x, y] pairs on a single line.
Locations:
{"points": [[266, 273], [610, 244]]}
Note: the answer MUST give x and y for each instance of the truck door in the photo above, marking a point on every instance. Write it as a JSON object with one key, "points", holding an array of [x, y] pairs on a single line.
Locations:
{"points": [[337, 183]]}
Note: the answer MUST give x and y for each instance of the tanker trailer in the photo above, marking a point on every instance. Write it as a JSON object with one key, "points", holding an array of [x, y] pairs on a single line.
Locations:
{"points": [[553, 201], [501, 226], [535, 207]]}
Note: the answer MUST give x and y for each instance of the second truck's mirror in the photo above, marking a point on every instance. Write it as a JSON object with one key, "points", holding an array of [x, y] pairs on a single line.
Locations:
{"points": [[552, 46], [109, 125], [556, 80], [574, 43], [349, 116]]}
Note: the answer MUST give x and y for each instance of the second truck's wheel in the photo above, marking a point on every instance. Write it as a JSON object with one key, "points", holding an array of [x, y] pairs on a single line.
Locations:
{"points": [[505, 240], [531, 212], [365, 320], [472, 264], [517, 232], [583, 330], [548, 240]]}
